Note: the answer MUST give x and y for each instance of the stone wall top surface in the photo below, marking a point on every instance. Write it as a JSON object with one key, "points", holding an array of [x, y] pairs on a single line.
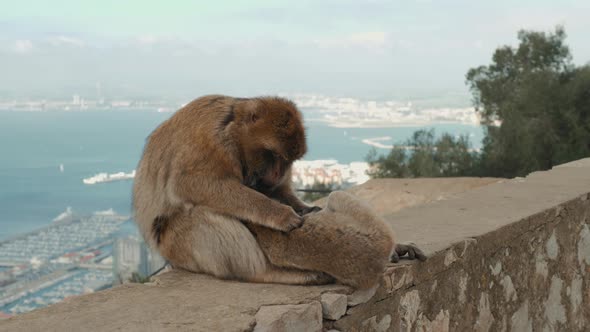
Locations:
{"points": [[481, 210]]}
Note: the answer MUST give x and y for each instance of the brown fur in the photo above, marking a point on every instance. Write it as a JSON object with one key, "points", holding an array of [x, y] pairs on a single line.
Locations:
{"points": [[216, 162], [221, 163], [345, 240]]}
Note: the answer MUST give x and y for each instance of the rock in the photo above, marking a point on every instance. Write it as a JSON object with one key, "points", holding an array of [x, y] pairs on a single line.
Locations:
{"points": [[361, 296], [334, 305], [284, 318]]}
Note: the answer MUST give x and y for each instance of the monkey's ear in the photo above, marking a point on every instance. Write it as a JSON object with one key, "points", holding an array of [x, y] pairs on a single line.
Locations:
{"points": [[249, 112], [254, 117]]}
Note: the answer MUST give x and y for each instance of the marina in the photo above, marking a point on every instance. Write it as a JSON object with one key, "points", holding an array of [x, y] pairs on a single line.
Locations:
{"points": [[69, 257]]}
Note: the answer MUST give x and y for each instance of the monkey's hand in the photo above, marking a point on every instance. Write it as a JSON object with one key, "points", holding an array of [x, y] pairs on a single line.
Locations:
{"points": [[288, 221], [308, 209], [232, 198], [409, 248]]}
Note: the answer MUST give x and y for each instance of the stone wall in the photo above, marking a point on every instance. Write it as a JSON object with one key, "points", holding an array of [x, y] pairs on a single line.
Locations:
{"points": [[532, 275], [508, 256]]}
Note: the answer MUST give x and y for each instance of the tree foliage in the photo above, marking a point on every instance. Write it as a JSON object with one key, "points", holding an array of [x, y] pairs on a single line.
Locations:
{"points": [[534, 105], [535, 108], [138, 278], [423, 155], [317, 191]]}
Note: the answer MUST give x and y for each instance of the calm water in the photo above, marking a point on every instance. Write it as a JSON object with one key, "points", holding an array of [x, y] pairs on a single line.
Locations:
{"points": [[33, 189]]}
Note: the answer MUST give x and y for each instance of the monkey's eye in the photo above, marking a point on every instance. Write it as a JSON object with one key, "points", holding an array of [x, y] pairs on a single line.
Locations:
{"points": [[269, 155], [273, 156], [278, 156]]}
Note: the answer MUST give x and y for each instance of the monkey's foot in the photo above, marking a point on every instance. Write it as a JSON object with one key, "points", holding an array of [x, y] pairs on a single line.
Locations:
{"points": [[410, 249], [292, 277], [320, 278]]}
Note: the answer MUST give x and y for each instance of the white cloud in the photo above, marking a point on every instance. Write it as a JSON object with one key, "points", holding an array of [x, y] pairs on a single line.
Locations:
{"points": [[369, 39], [545, 19], [66, 41], [147, 39], [22, 46]]}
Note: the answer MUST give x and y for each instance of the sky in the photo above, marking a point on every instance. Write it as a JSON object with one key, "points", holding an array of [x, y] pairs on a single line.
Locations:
{"points": [[370, 49]]}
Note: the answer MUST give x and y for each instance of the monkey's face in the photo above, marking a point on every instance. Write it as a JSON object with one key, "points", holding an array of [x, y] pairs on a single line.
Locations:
{"points": [[275, 137], [272, 171]]}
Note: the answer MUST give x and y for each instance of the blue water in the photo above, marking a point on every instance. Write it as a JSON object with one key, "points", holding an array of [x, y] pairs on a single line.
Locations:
{"points": [[33, 190]]}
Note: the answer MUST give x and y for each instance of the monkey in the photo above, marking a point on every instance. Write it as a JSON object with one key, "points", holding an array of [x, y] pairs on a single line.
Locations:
{"points": [[215, 174], [215, 163], [346, 240]]}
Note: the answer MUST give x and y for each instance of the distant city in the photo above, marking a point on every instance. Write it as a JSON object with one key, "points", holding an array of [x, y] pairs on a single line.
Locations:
{"points": [[335, 111], [356, 113], [305, 173], [79, 103]]}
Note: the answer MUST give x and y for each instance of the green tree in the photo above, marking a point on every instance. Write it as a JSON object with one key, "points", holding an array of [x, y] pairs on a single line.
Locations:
{"points": [[454, 156], [391, 166], [422, 162], [535, 108], [534, 105], [317, 191], [136, 277], [425, 156]]}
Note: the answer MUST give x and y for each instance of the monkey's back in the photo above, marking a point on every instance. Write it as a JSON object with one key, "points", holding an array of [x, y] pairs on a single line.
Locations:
{"points": [[346, 240], [188, 141]]}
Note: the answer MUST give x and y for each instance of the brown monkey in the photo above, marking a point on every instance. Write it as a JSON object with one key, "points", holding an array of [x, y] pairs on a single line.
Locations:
{"points": [[346, 240], [216, 162]]}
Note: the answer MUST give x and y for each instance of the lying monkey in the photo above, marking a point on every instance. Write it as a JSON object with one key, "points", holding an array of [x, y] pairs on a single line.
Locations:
{"points": [[345, 240]]}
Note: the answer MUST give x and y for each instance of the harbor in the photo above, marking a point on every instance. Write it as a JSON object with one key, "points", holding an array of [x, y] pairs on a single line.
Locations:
{"points": [[69, 257]]}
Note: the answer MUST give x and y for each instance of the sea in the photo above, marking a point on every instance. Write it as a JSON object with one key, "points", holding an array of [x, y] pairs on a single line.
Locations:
{"points": [[45, 155]]}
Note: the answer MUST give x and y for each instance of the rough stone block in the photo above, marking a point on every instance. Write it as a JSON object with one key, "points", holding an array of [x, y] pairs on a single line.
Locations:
{"points": [[361, 296], [334, 305], [284, 318]]}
